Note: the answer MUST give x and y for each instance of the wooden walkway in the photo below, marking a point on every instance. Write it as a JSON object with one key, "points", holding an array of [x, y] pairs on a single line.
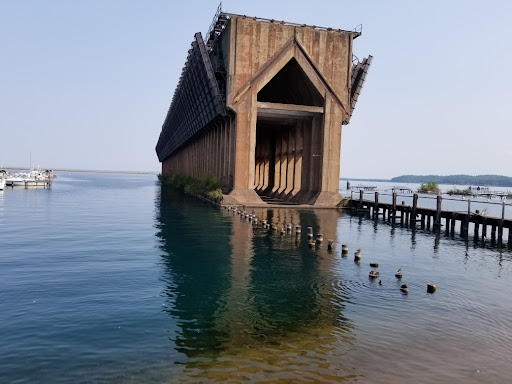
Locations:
{"points": [[434, 219]]}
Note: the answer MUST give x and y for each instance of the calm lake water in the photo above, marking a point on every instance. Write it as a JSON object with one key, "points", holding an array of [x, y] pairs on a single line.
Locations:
{"points": [[110, 279]]}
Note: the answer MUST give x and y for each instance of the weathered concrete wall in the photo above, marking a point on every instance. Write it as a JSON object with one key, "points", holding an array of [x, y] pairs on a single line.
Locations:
{"points": [[258, 52], [210, 153], [254, 43]]}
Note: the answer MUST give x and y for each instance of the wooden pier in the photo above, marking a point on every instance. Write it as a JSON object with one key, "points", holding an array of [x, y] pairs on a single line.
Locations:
{"points": [[435, 219]]}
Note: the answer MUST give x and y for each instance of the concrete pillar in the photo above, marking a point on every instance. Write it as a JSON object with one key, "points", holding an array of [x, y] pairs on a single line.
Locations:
{"points": [[217, 150], [266, 165], [253, 117], [316, 155], [284, 162], [232, 144], [306, 158], [228, 148], [260, 163], [299, 142], [204, 153], [256, 164], [246, 116], [290, 176], [211, 171], [277, 165], [207, 152], [226, 151], [331, 149], [244, 178], [221, 150]]}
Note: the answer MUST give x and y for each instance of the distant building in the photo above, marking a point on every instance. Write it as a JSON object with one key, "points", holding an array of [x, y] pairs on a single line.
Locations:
{"points": [[260, 104]]}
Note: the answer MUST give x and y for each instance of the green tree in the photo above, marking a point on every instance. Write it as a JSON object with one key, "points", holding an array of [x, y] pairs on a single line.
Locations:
{"points": [[430, 187]]}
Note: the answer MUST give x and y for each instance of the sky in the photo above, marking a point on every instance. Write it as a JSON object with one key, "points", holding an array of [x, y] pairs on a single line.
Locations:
{"points": [[86, 84]]}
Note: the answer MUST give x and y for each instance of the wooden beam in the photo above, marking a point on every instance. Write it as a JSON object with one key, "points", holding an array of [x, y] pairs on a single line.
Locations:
{"points": [[288, 108]]}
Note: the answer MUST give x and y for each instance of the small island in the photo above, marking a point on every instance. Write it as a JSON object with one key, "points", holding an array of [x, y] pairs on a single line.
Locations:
{"points": [[430, 187]]}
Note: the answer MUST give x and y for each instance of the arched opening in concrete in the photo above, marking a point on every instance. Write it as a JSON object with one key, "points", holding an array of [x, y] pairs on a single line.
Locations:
{"points": [[289, 136]]}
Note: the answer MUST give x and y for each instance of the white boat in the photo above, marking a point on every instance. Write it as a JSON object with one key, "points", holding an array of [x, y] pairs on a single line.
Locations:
{"points": [[30, 179], [17, 179], [2, 182]]}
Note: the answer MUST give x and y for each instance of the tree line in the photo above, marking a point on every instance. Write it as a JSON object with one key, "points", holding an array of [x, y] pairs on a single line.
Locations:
{"points": [[483, 180]]}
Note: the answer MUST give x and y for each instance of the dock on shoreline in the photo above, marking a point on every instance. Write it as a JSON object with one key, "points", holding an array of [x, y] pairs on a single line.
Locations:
{"points": [[410, 215]]}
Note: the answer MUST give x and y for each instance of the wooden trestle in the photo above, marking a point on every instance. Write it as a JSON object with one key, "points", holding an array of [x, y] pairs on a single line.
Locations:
{"points": [[434, 219]]}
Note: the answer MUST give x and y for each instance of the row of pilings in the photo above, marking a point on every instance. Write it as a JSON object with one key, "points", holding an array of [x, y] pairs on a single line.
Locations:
{"points": [[411, 215]]}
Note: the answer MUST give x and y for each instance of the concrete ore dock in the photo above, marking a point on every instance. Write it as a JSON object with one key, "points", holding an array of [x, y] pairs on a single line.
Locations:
{"points": [[260, 105]]}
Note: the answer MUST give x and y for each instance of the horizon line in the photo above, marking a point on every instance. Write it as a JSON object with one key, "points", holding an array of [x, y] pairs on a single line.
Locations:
{"points": [[86, 170]]}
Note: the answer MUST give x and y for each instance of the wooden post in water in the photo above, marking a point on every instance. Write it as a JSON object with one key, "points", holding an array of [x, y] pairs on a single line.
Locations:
{"points": [[422, 221], [493, 232], [376, 206], [452, 226], [360, 199], [447, 224], [484, 227], [393, 218], [407, 215], [414, 208], [402, 214], [465, 224], [477, 225], [500, 224], [465, 227], [428, 222], [437, 223]]}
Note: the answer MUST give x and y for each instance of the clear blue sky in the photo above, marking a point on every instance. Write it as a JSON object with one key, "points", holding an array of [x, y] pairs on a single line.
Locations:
{"points": [[87, 84]]}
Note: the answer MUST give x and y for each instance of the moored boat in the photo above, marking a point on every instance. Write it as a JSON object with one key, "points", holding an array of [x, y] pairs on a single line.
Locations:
{"points": [[30, 179]]}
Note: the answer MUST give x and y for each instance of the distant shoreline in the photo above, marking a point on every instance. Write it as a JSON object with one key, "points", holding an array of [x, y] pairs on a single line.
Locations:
{"points": [[484, 180], [87, 171], [357, 179]]}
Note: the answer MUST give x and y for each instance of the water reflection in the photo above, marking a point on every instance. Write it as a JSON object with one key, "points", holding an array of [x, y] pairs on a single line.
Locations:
{"points": [[247, 298], [256, 305], [197, 266]]}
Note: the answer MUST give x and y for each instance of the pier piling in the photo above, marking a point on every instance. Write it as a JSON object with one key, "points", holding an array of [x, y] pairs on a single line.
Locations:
{"points": [[414, 209], [376, 206], [434, 218], [393, 209], [437, 223]]}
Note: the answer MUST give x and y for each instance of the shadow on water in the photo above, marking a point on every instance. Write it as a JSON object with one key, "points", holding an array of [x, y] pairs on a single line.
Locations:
{"points": [[247, 300]]}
